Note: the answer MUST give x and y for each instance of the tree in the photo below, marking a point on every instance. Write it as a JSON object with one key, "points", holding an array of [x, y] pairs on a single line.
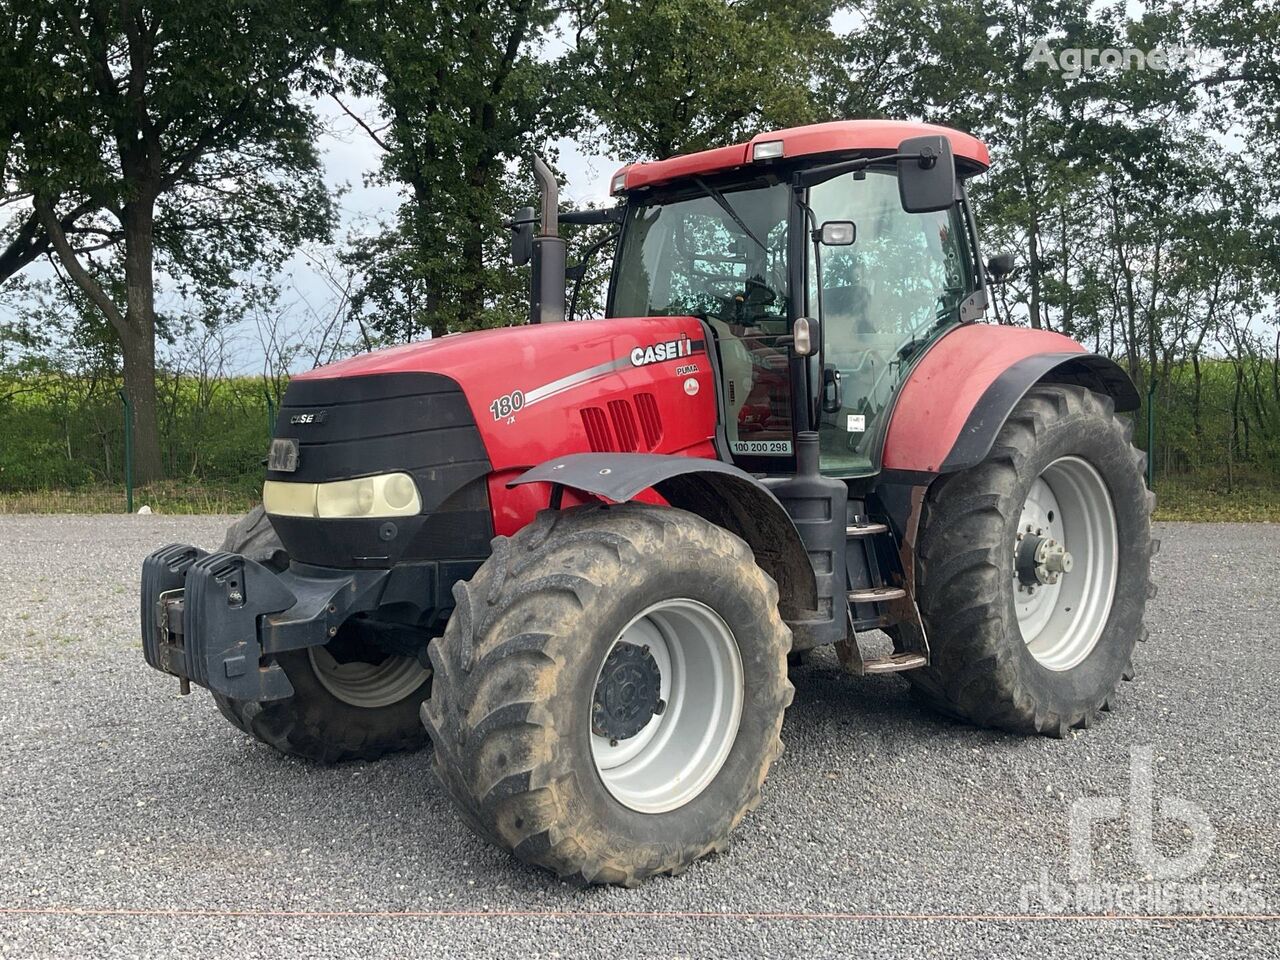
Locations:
{"points": [[672, 76], [1245, 80], [469, 94], [145, 133], [926, 59]]}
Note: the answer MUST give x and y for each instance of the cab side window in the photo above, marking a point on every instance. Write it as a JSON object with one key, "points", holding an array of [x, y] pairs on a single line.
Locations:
{"points": [[897, 287]]}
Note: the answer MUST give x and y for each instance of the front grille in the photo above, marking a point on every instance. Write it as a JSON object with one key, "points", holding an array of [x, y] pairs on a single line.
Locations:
{"points": [[417, 423]]}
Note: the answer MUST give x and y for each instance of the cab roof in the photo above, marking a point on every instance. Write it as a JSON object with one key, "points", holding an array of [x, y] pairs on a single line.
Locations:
{"points": [[819, 139]]}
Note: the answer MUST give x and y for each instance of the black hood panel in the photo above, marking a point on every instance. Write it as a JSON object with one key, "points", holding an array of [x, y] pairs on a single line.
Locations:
{"points": [[416, 423]]}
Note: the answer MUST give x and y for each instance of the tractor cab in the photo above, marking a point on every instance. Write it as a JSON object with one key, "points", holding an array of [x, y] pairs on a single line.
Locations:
{"points": [[825, 260]]}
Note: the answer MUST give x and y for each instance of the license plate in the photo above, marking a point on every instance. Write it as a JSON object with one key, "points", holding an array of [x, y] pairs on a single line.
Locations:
{"points": [[283, 457]]}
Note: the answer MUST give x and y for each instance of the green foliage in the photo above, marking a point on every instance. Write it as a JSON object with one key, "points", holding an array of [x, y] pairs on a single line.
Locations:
{"points": [[68, 432], [157, 134], [1252, 498], [662, 77], [469, 92], [190, 107]]}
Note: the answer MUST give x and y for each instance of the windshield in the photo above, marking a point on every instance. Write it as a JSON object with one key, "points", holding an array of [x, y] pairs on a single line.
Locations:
{"points": [[715, 255]]}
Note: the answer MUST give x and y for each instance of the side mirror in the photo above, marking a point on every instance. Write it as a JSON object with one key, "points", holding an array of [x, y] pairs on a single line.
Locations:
{"points": [[522, 236], [1000, 266], [837, 233], [927, 176], [805, 337]]}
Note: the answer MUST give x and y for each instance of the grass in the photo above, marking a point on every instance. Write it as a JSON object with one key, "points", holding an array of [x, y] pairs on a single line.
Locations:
{"points": [[1252, 498], [170, 497]]}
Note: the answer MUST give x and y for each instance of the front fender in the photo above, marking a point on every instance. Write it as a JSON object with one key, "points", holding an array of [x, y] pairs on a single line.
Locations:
{"points": [[714, 490], [959, 395]]}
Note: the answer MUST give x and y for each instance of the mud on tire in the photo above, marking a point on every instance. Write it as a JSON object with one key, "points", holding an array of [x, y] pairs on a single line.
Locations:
{"points": [[981, 670], [510, 708]]}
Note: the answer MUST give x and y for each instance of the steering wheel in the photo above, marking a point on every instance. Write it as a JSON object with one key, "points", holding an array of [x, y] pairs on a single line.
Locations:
{"points": [[742, 287]]}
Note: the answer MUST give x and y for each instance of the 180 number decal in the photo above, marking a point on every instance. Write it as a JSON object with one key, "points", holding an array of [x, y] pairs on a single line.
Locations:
{"points": [[507, 405]]}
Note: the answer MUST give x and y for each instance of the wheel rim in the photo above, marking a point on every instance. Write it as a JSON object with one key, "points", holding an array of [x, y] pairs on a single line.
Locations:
{"points": [[679, 750], [1062, 621], [368, 685]]}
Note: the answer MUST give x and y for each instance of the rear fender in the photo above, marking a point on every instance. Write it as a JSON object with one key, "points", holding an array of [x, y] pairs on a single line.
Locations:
{"points": [[716, 491], [955, 401]]}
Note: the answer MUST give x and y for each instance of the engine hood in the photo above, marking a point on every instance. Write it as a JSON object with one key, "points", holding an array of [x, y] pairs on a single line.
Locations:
{"points": [[527, 386]]}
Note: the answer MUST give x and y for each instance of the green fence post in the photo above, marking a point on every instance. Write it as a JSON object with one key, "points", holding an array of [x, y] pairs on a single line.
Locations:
{"points": [[1151, 434], [128, 451]]}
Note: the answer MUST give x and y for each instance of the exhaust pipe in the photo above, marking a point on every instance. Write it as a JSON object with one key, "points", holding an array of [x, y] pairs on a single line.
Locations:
{"points": [[547, 280], [550, 191]]}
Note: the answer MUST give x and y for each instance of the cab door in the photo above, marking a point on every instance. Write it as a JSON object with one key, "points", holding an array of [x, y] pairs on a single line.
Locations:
{"points": [[885, 297]]}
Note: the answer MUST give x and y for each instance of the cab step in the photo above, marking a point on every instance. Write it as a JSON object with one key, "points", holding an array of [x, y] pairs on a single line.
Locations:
{"points": [[876, 594], [850, 656], [865, 529], [894, 663]]}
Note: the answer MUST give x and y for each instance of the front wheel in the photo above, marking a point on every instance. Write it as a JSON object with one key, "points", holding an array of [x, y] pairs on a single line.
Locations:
{"points": [[609, 692], [1033, 568], [349, 702]]}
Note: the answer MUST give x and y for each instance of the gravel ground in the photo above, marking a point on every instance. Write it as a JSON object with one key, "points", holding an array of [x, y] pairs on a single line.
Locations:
{"points": [[884, 829]]}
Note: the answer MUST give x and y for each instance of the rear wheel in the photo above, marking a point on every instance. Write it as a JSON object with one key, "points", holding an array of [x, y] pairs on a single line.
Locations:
{"points": [[609, 692], [1033, 568], [349, 702]]}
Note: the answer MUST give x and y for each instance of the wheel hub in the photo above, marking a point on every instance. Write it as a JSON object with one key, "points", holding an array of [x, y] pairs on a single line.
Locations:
{"points": [[1040, 560], [628, 693]]}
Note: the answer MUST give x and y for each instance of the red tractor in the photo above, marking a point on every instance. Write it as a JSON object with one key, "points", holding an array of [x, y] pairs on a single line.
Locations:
{"points": [[576, 556]]}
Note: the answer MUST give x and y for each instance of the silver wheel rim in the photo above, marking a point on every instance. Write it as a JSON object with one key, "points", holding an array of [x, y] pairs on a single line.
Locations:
{"points": [[368, 685], [1061, 622], [677, 754]]}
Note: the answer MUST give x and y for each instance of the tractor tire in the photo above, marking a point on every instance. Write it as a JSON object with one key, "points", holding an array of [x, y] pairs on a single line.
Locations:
{"points": [[1044, 657], [529, 701], [333, 715]]}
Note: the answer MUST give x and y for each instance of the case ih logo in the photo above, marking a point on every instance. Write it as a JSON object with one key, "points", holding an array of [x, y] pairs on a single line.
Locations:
{"points": [[670, 350], [306, 419]]}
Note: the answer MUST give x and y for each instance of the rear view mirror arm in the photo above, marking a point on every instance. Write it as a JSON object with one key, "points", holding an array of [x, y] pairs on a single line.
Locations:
{"points": [[592, 216]]}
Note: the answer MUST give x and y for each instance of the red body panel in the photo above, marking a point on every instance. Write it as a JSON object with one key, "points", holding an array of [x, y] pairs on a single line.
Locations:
{"points": [[840, 136], [943, 389], [558, 370]]}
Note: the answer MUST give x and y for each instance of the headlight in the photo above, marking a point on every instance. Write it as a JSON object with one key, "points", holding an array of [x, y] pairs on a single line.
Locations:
{"points": [[388, 495]]}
